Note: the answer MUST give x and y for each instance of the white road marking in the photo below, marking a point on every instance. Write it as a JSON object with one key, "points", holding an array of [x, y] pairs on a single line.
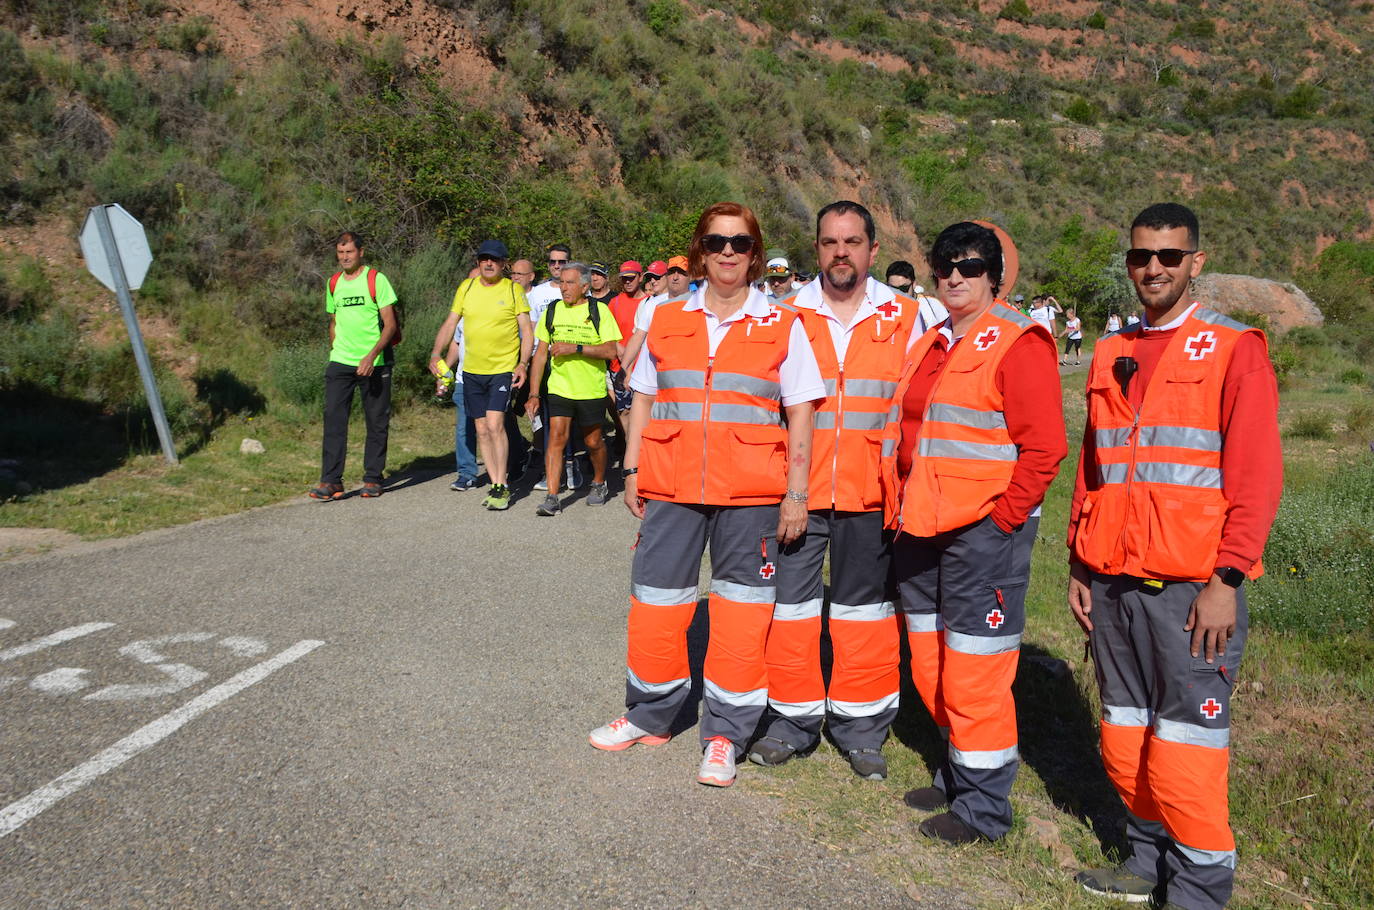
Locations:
{"points": [[62, 681], [244, 646], [56, 638], [26, 808], [180, 676]]}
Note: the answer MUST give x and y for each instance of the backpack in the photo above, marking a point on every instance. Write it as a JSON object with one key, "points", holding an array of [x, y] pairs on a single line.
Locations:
{"points": [[593, 313], [372, 292]]}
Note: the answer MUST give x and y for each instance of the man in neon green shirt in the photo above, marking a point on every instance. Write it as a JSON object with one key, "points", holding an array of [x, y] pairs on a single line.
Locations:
{"points": [[498, 338], [362, 326], [579, 341]]}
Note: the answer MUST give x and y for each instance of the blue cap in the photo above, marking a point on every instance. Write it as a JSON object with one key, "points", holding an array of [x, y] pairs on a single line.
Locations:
{"points": [[494, 248]]}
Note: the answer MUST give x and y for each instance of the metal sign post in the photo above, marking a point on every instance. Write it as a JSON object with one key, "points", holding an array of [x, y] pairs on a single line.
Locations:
{"points": [[117, 253]]}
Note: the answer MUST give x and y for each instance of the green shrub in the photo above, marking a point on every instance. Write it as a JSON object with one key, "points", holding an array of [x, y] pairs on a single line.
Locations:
{"points": [[1360, 418], [28, 291], [1081, 110], [1320, 557], [1097, 20], [298, 374], [1311, 425], [664, 16], [1016, 10], [44, 354], [1354, 376]]}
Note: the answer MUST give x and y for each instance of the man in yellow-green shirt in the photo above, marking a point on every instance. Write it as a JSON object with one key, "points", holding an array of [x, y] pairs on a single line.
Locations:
{"points": [[579, 336], [362, 327], [498, 338]]}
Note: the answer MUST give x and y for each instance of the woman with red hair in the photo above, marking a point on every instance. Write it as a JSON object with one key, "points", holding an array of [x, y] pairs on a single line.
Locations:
{"points": [[717, 452]]}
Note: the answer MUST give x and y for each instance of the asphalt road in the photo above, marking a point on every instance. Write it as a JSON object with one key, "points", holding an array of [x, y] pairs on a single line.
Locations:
{"points": [[430, 752]]}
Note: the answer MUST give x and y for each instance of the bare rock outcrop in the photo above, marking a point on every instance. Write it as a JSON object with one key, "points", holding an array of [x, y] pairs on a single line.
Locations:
{"points": [[1285, 305]]}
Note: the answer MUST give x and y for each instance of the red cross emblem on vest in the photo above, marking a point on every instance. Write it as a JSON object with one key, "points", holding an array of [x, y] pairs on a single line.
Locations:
{"points": [[987, 338], [890, 310], [1211, 707], [774, 314], [995, 619], [766, 571], [1200, 345]]}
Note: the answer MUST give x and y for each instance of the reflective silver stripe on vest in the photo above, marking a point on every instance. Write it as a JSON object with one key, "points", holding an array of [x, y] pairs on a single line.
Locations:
{"points": [[662, 688], [744, 413], [1112, 473], [663, 597], [924, 622], [1212, 317], [1012, 316], [1181, 438], [864, 420], [1177, 731], [1112, 439], [824, 420], [756, 698], [894, 413], [992, 758], [955, 448], [1126, 716], [978, 644], [831, 386], [749, 385], [681, 379], [676, 410], [1185, 475], [863, 612], [809, 609], [889, 448], [870, 388], [743, 594], [799, 708], [1198, 857], [966, 417], [863, 708]]}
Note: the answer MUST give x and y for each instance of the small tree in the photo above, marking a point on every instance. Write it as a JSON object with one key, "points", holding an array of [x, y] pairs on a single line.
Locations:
{"points": [[1077, 267]]}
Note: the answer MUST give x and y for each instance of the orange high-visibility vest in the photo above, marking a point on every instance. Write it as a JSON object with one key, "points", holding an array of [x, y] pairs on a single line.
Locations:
{"points": [[715, 435], [1156, 507], [964, 458], [850, 422]]}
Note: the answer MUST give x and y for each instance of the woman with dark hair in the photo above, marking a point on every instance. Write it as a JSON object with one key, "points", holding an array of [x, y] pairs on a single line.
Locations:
{"points": [[974, 439], [717, 452]]}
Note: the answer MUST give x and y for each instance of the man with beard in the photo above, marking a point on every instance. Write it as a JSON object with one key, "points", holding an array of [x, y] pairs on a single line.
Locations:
{"points": [[860, 330]]}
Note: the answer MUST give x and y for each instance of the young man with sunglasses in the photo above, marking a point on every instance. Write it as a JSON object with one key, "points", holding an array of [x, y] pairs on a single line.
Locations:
{"points": [[859, 329], [499, 339], [1178, 483], [623, 308]]}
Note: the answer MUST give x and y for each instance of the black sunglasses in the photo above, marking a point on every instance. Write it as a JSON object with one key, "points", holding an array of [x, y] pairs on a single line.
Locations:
{"points": [[969, 268], [739, 243], [558, 262], [1140, 257]]}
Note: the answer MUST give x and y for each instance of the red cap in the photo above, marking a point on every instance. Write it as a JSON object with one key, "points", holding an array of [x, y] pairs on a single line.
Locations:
{"points": [[658, 268], [630, 266]]}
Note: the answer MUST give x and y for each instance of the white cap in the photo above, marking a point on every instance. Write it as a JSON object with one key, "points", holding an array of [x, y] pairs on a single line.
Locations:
{"points": [[778, 265]]}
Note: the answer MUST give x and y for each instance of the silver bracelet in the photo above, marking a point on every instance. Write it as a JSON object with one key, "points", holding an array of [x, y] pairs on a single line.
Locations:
{"points": [[798, 495]]}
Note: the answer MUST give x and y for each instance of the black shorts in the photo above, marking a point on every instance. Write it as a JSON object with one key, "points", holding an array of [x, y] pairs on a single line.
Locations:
{"points": [[585, 412], [483, 393]]}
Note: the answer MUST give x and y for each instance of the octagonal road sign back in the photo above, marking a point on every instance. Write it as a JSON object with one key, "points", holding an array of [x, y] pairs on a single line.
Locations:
{"points": [[130, 240]]}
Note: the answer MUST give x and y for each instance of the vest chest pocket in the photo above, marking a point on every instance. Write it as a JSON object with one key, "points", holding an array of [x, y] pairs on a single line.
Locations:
{"points": [[1185, 395], [658, 460], [757, 461]]}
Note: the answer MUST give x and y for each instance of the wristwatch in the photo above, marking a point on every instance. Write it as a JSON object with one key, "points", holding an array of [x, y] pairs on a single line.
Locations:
{"points": [[579, 349], [625, 473], [1231, 576]]}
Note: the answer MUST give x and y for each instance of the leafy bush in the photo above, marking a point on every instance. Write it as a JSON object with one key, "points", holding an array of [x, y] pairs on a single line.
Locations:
{"points": [[1081, 110], [664, 16], [1016, 10], [1360, 418], [1097, 20], [1311, 425], [298, 374], [1320, 557]]}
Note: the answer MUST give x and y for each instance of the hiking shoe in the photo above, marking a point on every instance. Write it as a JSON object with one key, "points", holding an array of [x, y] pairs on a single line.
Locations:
{"points": [[1117, 883], [600, 494], [326, 492], [499, 497], [620, 734], [463, 483], [542, 483], [926, 799], [550, 506], [770, 752], [574, 473], [949, 828], [717, 763], [868, 764]]}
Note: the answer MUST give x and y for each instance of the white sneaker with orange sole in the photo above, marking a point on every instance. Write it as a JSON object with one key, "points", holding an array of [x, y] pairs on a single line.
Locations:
{"points": [[620, 734], [717, 763]]}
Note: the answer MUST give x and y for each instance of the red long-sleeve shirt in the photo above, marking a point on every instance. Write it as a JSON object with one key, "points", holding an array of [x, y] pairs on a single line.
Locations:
{"points": [[1251, 456], [1028, 379]]}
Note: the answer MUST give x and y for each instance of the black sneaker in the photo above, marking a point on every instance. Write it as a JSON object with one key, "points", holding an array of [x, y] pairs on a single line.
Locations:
{"points": [[1117, 883], [868, 764], [550, 506], [770, 752], [926, 799], [949, 828]]}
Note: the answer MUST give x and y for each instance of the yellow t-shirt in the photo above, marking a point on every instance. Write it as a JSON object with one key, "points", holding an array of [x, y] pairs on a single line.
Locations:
{"points": [[578, 376], [491, 334]]}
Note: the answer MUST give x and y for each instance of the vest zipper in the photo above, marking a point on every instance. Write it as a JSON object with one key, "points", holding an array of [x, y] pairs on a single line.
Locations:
{"points": [[705, 422], [1132, 438], [839, 422]]}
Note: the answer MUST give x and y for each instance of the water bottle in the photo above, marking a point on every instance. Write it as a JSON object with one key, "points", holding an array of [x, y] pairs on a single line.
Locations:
{"points": [[443, 384]]}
